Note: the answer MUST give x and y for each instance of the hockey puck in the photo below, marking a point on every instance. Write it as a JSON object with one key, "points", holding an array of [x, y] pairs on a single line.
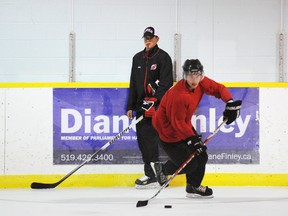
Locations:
{"points": [[167, 206]]}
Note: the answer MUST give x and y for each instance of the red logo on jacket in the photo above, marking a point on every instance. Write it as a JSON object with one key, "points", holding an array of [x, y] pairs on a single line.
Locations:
{"points": [[153, 67]]}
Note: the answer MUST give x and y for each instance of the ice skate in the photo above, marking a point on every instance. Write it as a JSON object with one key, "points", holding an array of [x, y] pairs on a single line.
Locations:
{"points": [[146, 182], [199, 192], [161, 177]]}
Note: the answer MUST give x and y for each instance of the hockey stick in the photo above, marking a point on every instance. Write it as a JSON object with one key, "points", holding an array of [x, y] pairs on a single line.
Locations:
{"points": [[38, 185], [142, 203]]}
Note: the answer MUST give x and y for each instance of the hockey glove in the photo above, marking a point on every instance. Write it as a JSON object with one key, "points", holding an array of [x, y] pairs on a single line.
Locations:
{"points": [[232, 111], [196, 144], [149, 106]]}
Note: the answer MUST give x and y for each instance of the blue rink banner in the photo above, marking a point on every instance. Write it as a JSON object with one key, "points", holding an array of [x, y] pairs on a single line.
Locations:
{"points": [[85, 119]]}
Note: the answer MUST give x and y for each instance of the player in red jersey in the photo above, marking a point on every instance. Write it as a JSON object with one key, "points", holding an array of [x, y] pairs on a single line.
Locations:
{"points": [[173, 123]]}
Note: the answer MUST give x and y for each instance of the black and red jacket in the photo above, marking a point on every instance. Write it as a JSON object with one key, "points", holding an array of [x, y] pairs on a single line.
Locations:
{"points": [[148, 67]]}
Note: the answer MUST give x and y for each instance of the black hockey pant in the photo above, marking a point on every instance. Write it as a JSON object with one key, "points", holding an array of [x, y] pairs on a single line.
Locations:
{"points": [[148, 141], [178, 153]]}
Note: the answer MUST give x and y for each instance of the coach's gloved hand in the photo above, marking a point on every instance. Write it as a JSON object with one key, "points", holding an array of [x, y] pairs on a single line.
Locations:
{"points": [[195, 142], [232, 111], [149, 106]]}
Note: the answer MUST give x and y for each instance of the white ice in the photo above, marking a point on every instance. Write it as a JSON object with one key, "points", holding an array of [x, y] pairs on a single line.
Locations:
{"points": [[232, 201]]}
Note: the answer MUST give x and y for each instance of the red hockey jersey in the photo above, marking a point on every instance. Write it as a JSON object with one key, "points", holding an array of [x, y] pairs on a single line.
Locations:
{"points": [[172, 120]]}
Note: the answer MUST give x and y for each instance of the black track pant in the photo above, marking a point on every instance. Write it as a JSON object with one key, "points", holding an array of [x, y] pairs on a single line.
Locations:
{"points": [[148, 141], [180, 152]]}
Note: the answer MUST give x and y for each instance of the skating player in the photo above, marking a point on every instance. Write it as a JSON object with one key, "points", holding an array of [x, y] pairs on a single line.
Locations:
{"points": [[173, 123]]}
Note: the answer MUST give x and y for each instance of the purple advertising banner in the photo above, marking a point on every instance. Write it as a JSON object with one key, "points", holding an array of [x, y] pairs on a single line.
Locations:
{"points": [[85, 119]]}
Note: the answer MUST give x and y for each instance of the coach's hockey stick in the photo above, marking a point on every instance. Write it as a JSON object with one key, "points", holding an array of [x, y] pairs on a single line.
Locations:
{"points": [[142, 203], [38, 185]]}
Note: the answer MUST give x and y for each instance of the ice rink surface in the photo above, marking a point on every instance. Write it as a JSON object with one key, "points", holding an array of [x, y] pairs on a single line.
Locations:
{"points": [[232, 201]]}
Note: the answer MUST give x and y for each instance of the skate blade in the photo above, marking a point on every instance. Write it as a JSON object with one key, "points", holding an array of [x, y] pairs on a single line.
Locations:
{"points": [[149, 186], [198, 196]]}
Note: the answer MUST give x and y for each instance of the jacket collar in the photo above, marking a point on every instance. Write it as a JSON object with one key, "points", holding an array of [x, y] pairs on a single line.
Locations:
{"points": [[152, 51]]}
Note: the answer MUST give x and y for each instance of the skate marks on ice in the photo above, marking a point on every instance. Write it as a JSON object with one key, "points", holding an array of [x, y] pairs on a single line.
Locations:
{"points": [[122, 201]]}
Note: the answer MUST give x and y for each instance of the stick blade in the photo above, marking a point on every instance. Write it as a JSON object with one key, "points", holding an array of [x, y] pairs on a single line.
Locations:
{"points": [[38, 185], [142, 203]]}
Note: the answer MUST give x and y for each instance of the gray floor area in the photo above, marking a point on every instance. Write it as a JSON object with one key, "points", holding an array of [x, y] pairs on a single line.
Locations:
{"points": [[122, 201]]}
